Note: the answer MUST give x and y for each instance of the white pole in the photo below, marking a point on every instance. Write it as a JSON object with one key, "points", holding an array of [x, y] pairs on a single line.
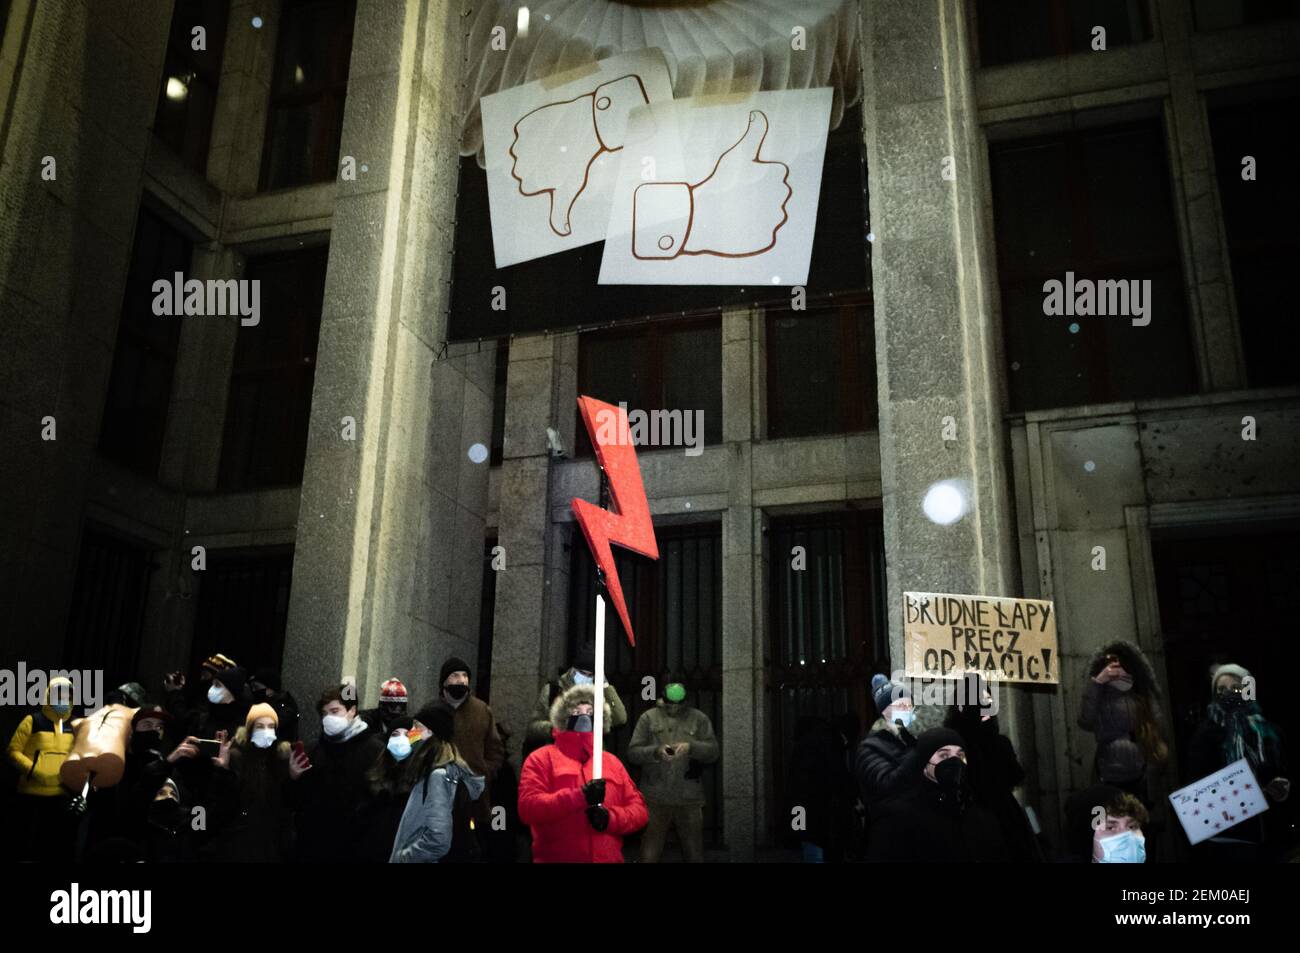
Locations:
{"points": [[598, 709]]}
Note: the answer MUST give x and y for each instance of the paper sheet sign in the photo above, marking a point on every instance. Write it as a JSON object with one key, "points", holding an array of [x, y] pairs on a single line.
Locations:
{"points": [[719, 190], [1218, 801], [1005, 640], [552, 151]]}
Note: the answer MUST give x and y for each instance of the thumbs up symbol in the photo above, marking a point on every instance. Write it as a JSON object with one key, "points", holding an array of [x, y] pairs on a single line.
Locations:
{"points": [[556, 144], [733, 212]]}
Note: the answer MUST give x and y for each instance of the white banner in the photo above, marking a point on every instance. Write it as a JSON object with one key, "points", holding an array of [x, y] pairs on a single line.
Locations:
{"points": [[719, 190], [552, 152], [1219, 801]]}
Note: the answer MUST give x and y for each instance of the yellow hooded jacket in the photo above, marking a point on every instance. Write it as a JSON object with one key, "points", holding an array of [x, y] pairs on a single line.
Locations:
{"points": [[39, 747]]}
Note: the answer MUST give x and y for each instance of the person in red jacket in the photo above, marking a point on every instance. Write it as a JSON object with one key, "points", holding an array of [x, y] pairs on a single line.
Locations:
{"points": [[573, 818]]}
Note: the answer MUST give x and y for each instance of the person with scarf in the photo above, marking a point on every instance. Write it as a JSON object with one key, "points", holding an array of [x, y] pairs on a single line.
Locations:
{"points": [[1235, 728]]}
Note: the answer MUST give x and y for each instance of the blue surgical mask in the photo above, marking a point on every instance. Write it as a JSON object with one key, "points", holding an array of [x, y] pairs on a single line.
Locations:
{"points": [[904, 716], [580, 678], [218, 695], [399, 746], [1126, 848]]}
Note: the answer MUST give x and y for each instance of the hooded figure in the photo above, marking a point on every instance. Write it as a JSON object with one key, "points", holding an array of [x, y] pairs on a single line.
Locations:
{"points": [[993, 767], [1121, 707], [880, 755], [573, 818], [169, 836], [933, 817], [427, 831], [1234, 727], [579, 673], [672, 743]]}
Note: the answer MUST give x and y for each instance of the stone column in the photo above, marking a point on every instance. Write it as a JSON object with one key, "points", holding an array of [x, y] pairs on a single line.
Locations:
{"points": [[938, 353], [386, 576], [523, 655], [741, 731]]}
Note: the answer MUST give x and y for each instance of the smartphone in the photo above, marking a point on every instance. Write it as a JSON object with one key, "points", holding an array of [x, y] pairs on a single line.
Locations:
{"points": [[209, 747], [300, 748]]}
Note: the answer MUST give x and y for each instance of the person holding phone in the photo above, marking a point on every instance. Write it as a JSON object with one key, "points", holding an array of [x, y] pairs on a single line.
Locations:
{"points": [[672, 742], [1121, 707]]}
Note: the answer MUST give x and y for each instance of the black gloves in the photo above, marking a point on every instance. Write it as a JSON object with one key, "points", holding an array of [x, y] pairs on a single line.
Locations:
{"points": [[594, 792], [598, 817]]}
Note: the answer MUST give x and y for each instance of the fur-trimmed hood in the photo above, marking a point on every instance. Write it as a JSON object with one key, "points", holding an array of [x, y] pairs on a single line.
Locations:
{"points": [[1134, 662], [564, 703]]}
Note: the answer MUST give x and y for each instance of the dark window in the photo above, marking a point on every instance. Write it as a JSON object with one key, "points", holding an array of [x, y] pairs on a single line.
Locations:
{"points": [[561, 291], [188, 97], [305, 120], [499, 402], [1220, 14], [106, 614], [829, 634], [1014, 30], [486, 623], [665, 366], [243, 607], [1094, 203], [1221, 590], [275, 362], [821, 369], [144, 359], [1259, 216], [675, 604]]}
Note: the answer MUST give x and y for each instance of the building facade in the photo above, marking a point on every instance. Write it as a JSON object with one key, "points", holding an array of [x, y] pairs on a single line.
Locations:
{"points": [[341, 492]]}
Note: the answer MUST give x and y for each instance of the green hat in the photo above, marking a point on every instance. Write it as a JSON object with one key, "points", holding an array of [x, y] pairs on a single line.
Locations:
{"points": [[675, 692]]}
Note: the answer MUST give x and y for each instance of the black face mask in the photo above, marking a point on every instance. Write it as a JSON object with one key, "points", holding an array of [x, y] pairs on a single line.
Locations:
{"points": [[1231, 699], [166, 813], [456, 691], [580, 723], [951, 774], [142, 742]]}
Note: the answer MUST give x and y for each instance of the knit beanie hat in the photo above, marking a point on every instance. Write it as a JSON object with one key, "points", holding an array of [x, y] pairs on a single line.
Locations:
{"points": [[584, 660], [884, 692], [452, 664], [439, 718], [393, 692], [260, 710], [234, 678], [1228, 669]]}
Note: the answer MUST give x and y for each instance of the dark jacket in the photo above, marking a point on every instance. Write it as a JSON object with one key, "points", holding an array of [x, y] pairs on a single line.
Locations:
{"points": [[994, 772], [877, 765], [251, 798], [330, 797], [819, 781], [1114, 716]]}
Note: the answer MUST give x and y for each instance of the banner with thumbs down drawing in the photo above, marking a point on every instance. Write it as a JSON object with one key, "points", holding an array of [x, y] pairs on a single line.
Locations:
{"points": [[552, 150], [719, 190]]}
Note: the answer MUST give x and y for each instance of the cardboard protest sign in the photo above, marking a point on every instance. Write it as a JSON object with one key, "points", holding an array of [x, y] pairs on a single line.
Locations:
{"points": [[1218, 801], [1004, 640], [552, 147], [719, 190]]}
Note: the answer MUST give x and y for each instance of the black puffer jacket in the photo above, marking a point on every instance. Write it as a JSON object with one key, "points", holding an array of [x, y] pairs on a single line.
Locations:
{"points": [[879, 758]]}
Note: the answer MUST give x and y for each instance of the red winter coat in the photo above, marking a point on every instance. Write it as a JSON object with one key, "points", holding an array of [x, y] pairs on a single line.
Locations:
{"points": [[552, 804]]}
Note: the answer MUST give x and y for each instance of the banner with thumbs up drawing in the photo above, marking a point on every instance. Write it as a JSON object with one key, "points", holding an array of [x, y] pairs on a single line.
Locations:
{"points": [[719, 191], [553, 149]]}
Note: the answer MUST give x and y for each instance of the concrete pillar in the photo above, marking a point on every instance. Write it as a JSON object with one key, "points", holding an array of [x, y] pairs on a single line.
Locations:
{"points": [[937, 349], [742, 730], [80, 84], [1221, 363], [390, 527], [239, 121], [526, 646]]}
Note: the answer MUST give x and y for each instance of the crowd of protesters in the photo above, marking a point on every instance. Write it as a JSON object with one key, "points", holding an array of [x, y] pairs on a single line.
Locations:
{"points": [[215, 772]]}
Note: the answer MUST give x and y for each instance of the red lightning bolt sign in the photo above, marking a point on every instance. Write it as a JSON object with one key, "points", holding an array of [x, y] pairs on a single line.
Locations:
{"points": [[628, 524]]}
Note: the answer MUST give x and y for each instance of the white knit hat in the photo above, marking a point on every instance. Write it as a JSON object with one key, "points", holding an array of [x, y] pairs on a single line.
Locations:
{"points": [[1227, 669]]}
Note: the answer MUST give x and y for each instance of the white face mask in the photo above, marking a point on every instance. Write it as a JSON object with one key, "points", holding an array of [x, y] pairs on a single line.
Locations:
{"points": [[580, 678], [1128, 847], [904, 716], [399, 746], [218, 695], [264, 737], [334, 725]]}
